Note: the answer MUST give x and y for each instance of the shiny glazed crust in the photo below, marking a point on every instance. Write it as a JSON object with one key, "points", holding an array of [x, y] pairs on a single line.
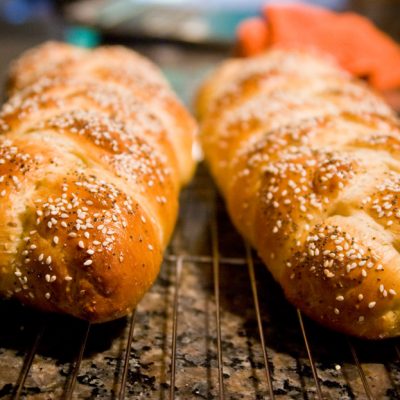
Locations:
{"points": [[308, 160], [94, 150]]}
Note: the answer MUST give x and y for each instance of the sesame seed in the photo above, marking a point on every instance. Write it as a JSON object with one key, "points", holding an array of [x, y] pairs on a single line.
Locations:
{"points": [[328, 273], [339, 298], [47, 295], [336, 311], [55, 239], [48, 260], [372, 304], [68, 278], [364, 273], [90, 252], [360, 297], [47, 277], [392, 292], [41, 256], [88, 262], [81, 244], [361, 318]]}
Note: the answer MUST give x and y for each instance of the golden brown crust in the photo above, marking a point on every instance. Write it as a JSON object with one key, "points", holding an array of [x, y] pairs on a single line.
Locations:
{"points": [[307, 160], [123, 69], [89, 179]]}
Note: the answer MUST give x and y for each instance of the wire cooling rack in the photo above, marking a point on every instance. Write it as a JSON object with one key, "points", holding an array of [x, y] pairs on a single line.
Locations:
{"points": [[214, 326]]}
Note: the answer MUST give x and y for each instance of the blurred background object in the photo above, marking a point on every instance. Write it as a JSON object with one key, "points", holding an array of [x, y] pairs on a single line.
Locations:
{"points": [[21, 11], [23, 24], [203, 22], [188, 21]]}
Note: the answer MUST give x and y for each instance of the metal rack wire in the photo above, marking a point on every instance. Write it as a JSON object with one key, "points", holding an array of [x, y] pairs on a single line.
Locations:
{"points": [[313, 385]]}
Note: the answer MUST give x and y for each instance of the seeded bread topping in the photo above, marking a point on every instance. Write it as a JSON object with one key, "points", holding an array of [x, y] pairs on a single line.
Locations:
{"points": [[307, 160]]}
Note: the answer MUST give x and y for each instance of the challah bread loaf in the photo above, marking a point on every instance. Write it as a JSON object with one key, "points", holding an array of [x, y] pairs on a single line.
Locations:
{"points": [[308, 160], [90, 172]]}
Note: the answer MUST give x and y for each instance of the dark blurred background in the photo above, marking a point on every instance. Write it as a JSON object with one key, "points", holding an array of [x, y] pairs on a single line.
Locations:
{"points": [[189, 34]]}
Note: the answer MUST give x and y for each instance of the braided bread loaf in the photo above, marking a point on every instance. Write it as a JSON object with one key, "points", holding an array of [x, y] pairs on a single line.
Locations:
{"points": [[93, 152], [308, 160]]}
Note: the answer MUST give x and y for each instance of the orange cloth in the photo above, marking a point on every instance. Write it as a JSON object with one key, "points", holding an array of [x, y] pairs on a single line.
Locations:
{"points": [[253, 36], [353, 40]]}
